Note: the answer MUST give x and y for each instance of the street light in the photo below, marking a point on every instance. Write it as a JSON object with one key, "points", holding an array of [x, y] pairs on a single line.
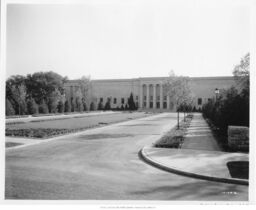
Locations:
{"points": [[217, 92]]}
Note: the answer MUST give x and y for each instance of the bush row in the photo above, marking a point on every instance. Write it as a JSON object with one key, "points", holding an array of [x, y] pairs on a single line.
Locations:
{"points": [[231, 108]]}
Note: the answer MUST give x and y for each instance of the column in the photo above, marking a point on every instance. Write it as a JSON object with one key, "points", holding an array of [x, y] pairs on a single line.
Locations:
{"points": [[141, 96], [147, 96], [154, 96], [168, 103], [161, 96]]}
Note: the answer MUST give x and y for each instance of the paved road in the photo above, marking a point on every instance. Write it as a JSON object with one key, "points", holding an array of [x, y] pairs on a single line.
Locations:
{"points": [[103, 164]]}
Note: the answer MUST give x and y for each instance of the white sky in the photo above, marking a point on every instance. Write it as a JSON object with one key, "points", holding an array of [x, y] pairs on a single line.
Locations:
{"points": [[128, 39]]}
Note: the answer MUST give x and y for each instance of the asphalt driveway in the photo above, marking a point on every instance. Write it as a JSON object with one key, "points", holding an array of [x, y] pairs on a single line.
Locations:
{"points": [[103, 163]]}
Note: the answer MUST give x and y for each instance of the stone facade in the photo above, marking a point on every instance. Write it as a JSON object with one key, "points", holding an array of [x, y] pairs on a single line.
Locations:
{"points": [[148, 93]]}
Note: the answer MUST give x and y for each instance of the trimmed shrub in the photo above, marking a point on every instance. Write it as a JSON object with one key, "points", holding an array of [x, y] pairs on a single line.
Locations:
{"points": [[84, 106], [72, 105], [92, 106], [67, 107], [107, 106], [232, 108], [60, 107], [32, 107], [131, 103], [43, 108], [78, 105], [9, 110], [100, 106]]}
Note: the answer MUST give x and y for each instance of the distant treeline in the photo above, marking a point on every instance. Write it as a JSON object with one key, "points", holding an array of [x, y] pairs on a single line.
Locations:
{"points": [[42, 92]]}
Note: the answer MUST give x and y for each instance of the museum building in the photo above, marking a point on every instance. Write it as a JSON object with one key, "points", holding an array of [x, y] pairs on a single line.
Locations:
{"points": [[148, 92]]}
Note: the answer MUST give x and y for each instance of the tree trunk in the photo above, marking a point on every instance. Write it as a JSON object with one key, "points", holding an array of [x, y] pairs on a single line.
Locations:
{"points": [[178, 120]]}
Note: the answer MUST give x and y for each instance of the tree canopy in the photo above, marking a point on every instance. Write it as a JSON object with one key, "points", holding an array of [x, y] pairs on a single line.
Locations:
{"points": [[84, 84], [43, 92], [41, 85], [241, 73], [178, 89]]}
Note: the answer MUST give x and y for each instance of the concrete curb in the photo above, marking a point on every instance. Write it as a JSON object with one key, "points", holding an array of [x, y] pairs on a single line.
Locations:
{"points": [[178, 171]]}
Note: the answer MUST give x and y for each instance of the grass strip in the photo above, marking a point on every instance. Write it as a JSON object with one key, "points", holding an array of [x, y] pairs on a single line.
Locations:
{"points": [[175, 137]]}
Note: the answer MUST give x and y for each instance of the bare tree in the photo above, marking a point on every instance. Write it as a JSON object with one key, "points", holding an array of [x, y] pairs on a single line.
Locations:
{"points": [[178, 89], [241, 73], [84, 84]]}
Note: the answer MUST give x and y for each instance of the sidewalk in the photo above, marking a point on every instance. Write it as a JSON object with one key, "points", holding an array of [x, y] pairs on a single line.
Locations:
{"points": [[199, 157], [202, 164], [199, 135]]}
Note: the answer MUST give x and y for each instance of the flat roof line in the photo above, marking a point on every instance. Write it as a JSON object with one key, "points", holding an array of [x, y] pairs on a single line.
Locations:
{"points": [[152, 78]]}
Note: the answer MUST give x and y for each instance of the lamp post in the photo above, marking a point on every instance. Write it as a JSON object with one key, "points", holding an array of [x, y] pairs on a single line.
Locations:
{"points": [[217, 92]]}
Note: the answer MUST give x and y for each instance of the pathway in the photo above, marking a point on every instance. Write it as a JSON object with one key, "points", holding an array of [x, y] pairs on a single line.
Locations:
{"points": [[199, 135]]}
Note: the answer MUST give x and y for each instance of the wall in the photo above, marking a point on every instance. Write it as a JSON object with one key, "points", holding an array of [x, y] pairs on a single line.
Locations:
{"points": [[115, 89], [201, 87], [204, 87]]}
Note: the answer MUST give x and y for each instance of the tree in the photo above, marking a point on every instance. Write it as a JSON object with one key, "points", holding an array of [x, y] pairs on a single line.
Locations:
{"points": [[92, 106], [241, 73], [84, 105], [107, 105], [19, 96], [72, 104], [78, 100], [9, 110], [177, 88], [13, 81], [43, 108], [61, 104], [232, 107], [41, 85], [84, 84], [131, 103], [186, 106], [32, 107], [53, 100], [60, 107], [67, 106], [100, 106]]}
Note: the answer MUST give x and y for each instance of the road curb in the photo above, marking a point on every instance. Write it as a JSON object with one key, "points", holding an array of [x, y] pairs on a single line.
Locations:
{"points": [[178, 171]]}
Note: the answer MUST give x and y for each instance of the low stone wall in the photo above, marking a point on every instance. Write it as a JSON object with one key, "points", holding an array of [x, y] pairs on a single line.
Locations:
{"points": [[238, 138]]}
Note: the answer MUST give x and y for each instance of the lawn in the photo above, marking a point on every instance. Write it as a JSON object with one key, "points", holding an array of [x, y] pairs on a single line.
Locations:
{"points": [[44, 129], [175, 137]]}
